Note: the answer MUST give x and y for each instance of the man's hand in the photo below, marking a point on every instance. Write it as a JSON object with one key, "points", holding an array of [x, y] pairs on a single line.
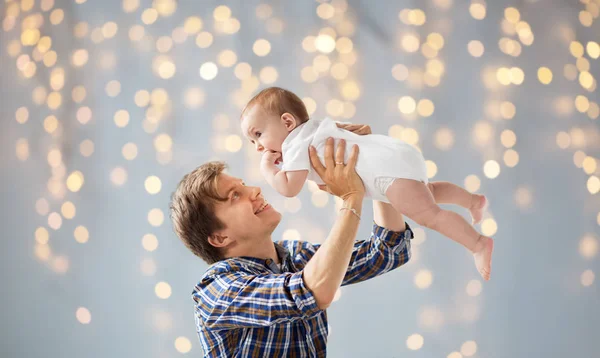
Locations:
{"points": [[340, 179], [360, 129]]}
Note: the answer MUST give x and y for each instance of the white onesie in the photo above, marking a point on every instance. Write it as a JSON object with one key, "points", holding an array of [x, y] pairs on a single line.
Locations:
{"points": [[381, 158]]}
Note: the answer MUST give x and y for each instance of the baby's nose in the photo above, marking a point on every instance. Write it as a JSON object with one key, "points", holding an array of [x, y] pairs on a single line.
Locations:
{"points": [[259, 147]]}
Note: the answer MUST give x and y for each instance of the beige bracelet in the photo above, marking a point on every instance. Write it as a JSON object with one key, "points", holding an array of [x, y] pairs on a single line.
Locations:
{"points": [[351, 210]]}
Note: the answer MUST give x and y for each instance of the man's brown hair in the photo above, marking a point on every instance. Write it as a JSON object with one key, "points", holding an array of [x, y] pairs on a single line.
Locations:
{"points": [[277, 101], [192, 210]]}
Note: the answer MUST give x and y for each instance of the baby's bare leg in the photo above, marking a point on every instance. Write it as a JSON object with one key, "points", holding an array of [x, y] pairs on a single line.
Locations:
{"points": [[448, 193], [414, 199]]}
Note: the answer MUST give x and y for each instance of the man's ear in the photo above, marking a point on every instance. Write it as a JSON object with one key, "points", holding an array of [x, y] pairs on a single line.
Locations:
{"points": [[289, 121], [219, 240]]}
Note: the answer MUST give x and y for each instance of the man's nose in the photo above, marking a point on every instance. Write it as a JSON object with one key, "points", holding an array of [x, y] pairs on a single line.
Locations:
{"points": [[255, 192]]}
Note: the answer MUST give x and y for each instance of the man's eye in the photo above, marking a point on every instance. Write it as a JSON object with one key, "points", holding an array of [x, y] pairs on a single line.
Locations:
{"points": [[235, 195]]}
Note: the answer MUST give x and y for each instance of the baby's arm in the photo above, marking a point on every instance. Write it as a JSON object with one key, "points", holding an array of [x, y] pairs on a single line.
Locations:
{"points": [[287, 184]]}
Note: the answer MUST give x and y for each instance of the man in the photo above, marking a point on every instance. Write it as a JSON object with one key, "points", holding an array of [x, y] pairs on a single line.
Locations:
{"points": [[261, 298]]}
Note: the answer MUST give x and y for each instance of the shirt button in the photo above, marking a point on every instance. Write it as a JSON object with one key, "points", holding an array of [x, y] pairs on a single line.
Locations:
{"points": [[268, 261]]}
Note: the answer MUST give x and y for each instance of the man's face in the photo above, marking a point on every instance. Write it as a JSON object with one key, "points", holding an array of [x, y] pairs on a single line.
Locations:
{"points": [[248, 218]]}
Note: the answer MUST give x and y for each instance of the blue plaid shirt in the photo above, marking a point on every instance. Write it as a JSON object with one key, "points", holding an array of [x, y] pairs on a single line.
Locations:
{"points": [[251, 307]]}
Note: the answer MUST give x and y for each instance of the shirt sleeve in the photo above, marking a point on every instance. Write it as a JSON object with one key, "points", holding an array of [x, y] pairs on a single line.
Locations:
{"points": [[241, 300], [295, 156], [385, 251]]}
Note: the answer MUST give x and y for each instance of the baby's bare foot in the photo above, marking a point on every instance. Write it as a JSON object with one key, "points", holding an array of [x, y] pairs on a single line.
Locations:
{"points": [[483, 256], [478, 207]]}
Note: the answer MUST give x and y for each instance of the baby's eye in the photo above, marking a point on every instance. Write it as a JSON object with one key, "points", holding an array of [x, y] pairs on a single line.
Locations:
{"points": [[258, 134]]}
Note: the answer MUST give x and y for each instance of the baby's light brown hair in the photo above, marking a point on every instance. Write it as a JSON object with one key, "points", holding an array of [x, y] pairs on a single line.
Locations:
{"points": [[277, 101]]}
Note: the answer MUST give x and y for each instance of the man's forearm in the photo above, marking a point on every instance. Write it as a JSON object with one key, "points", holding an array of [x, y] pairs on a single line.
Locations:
{"points": [[325, 271]]}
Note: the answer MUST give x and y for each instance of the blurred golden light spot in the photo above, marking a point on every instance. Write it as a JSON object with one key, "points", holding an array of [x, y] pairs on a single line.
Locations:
{"points": [[589, 165], [136, 33], [587, 278], [511, 158], [79, 58], [165, 7], [262, 47], [183, 345], [86, 148], [350, 90], [523, 197], [339, 71], [227, 58], [192, 25], [75, 181], [148, 267], [54, 100], [68, 210], [410, 42], [130, 5], [578, 157], [309, 74], [193, 98], [578, 140], [164, 44], [57, 16], [42, 236], [582, 64], [414, 342], [395, 131], [454, 355], [204, 39], [348, 58], [109, 30], [42, 252], [512, 15], [594, 110], [78, 94], [83, 315], [344, 45], [325, 43], [586, 79], [243, 71], [334, 107], [482, 133], [44, 44], [588, 246], [113, 88], [22, 115], [81, 30], [153, 184], [129, 151], [349, 110], [46, 5], [586, 18], [30, 37], [222, 13], [489, 227], [570, 72], [291, 234], [264, 11], [163, 143], [325, 11], [274, 26], [208, 71], [39, 95], [14, 48], [507, 110], [431, 168], [425, 107], [166, 69], [121, 118], [582, 104], [410, 136], [474, 288], [435, 40], [310, 104], [54, 158], [319, 199], [423, 279], [118, 176], [477, 10], [308, 44], [491, 168], [431, 317], [475, 48], [517, 75], [149, 16], [444, 139], [544, 75], [468, 348], [233, 143], [42, 206], [268, 75], [407, 105], [563, 140], [81, 234], [508, 138], [400, 72], [593, 49], [321, 63], [54, 221], [576, 49], [150, 242], [292, 205], [593, 184], [162, 290]]}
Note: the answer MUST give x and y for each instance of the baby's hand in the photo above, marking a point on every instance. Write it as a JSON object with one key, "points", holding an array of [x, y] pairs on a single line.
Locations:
{"points": [[269, 159]]}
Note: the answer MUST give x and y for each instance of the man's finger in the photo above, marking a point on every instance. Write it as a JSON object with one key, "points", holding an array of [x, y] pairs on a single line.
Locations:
{"points": [[315, 161], [340, 151], [329, 154], [353, 157]]}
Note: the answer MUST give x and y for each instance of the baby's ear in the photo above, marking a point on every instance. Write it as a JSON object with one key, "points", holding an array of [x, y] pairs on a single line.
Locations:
{"points": [[289, 121]]}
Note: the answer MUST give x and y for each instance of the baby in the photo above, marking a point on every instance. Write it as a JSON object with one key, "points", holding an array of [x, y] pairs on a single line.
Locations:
{"points": [[276, 122]]}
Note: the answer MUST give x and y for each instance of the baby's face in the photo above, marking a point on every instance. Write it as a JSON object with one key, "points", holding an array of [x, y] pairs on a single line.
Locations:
{"points": [[265, 131]]}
